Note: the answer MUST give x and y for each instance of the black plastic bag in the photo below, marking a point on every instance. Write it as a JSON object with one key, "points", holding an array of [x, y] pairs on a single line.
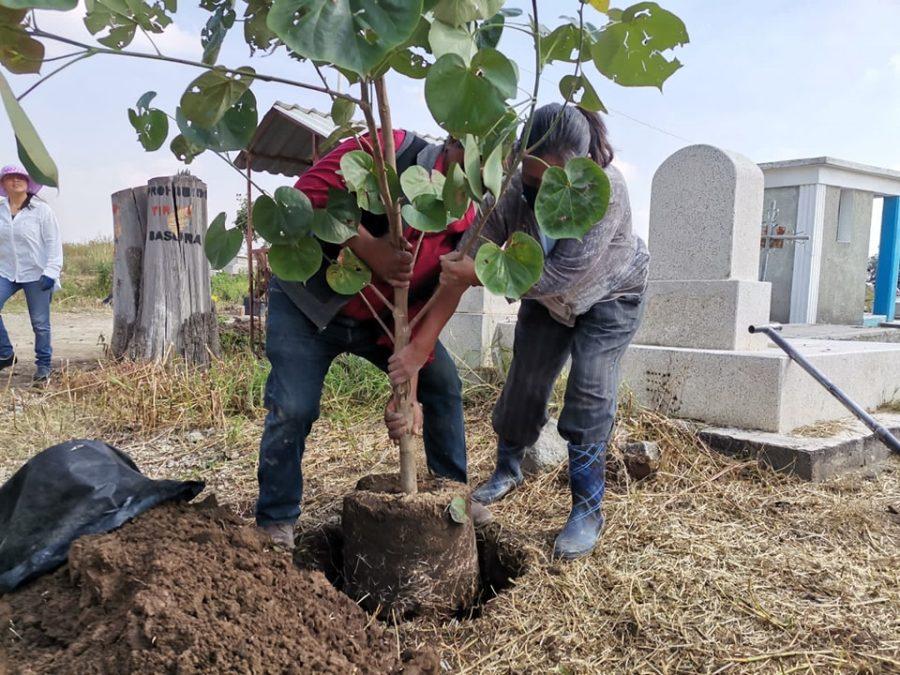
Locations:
{"points": [[72, 489]]}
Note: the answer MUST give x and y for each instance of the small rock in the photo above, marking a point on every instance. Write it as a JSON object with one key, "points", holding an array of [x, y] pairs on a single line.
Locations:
{"points": [[641, 459], [195, 437], [548, 453]]}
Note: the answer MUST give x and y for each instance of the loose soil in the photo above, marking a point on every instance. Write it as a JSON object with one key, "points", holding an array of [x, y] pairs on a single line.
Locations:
{"points": [[189, 589]]}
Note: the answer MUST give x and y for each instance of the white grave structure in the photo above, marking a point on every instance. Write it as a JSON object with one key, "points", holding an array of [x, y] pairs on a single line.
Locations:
{"points": [[693, 357]]}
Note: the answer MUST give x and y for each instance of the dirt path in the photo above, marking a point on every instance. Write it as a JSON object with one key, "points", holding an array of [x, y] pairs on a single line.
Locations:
{"points": [[78, 337]]}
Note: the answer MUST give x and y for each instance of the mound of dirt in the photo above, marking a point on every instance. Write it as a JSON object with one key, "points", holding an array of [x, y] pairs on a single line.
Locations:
{"points": [[188, 589]]}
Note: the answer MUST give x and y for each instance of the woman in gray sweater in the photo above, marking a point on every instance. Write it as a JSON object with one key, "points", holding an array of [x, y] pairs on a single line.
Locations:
{"points": [[587, 305]]}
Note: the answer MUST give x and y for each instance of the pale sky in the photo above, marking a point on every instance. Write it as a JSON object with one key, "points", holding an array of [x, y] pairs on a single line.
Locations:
{"points": [[771, 79]]}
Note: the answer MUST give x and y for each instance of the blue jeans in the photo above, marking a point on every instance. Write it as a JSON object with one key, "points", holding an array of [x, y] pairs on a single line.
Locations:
{"points": [[300, 355], [541, 346], [39, 311]]}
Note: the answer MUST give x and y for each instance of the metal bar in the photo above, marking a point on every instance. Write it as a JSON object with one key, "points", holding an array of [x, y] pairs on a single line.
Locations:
{"points": [[888, 260], [886, 437]]}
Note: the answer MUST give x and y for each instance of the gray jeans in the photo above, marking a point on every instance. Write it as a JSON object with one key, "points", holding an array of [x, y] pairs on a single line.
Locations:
{"points": [[542, 345]]}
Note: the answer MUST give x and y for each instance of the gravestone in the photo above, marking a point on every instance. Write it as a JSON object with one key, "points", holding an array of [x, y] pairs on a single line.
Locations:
{"points": [[705, 215], [694, 357], [161, 291]]}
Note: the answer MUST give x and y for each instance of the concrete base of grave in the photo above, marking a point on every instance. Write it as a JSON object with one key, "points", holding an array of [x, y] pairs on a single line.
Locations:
{"points": [[818, 454], [762, 390], [719, 309], [473, 334]]}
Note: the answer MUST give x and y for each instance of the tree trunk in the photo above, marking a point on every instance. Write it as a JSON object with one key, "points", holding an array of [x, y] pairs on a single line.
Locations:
{"points": [[173, 311], [129, 209]]}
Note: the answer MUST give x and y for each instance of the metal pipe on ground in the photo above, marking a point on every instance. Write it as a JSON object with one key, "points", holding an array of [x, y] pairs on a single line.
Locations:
{"points": [[771, 330]]}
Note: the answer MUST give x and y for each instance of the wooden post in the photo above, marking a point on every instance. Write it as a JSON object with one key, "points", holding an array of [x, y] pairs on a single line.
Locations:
{"points": [[129, 209], [174, 312]]}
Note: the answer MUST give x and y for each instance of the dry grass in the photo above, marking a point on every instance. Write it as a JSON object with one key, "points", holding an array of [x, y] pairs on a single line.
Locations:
{"points": [[713, 566], [823, 429]]}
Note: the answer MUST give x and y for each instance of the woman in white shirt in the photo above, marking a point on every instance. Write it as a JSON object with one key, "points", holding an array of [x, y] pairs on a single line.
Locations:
{"points": [[31, 259]]}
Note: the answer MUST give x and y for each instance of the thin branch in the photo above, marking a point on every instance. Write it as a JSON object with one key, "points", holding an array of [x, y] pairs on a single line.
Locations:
{"points": [[418, 248], [243, 175], [152, 43], [375, 314], [381, 296], [422, 312], [52, 73], [186, 62]]}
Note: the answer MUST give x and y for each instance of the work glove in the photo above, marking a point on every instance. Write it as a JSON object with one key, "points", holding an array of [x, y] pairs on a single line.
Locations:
{"points": [[47, 283]]}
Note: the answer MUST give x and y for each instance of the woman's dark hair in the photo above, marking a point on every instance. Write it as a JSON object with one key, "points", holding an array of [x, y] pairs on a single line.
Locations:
{"points": [[567, 131], [27, 203]]}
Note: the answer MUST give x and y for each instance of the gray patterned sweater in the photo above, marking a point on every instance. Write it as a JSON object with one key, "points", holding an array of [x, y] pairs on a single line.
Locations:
{"points": [[609, 262]]}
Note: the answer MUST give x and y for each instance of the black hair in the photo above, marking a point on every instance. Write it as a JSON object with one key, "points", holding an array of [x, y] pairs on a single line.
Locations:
{"points": [[569, 131], [27, 203]]}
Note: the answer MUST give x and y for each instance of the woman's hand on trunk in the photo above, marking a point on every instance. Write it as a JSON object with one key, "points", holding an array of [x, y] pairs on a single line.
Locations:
{"points": [[398, 425], [458, 270], [389, 264]]}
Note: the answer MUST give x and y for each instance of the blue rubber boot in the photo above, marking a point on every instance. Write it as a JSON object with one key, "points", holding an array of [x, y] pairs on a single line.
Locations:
{"points": [[507, 474], [587, 479]]}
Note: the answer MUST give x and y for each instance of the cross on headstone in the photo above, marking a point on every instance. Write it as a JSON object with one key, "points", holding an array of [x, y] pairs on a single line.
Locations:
{"points": [[771, 236]]}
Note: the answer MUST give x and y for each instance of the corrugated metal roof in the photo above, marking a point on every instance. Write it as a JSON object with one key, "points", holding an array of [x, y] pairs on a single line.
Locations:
{"points": [[285, 140]]}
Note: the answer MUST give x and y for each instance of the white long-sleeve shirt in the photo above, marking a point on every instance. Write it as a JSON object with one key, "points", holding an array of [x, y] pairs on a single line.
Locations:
{"points": [[30, 243]]}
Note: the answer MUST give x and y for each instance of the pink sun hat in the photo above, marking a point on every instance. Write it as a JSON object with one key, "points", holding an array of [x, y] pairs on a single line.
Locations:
{"points": [[16, 170]]}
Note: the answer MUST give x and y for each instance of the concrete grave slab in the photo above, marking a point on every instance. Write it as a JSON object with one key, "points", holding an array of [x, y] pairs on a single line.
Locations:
{"points": [[850, 447]]}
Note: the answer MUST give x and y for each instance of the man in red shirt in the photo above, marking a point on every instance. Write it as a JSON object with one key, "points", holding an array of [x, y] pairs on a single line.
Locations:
{"points": [[309, 325]]}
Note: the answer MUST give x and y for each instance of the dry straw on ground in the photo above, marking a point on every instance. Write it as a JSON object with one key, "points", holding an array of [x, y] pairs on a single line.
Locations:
{"points": [[713, 566]]}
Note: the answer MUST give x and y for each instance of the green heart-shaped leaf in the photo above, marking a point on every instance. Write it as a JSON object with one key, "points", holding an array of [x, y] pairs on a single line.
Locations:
{"points": [[428, 214], [121, 19], [352, 34], [570, 85], [358, 169], [416, 181], [32, 151], [408, 63], [490, 31], [184, 150], [213, 34], [561, 44], [572, 200], [463, 100], [213, 94], [499, 71], [257, 33], [268, 220], [458, 12], [233, 132], [446, 39], [349, 275], [221, 245], [457, 511], [297, 210], [510, 271], [342, 111], [296, 261], [630, 51], [472, 160], [152, 125], [493, 171], [19, 52], [339, 220], [454, 194]]}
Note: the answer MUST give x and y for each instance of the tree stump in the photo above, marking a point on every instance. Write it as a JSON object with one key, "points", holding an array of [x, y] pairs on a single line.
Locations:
{"points": [[406, 555], [129, 209], [170, 311]]}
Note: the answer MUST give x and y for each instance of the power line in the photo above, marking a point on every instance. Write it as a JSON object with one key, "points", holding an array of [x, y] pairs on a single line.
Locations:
{"points": [[648, 125]]}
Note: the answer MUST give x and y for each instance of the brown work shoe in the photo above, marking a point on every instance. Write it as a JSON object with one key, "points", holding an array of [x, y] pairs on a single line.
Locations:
{"points": [[281, 534], [481, 515]]}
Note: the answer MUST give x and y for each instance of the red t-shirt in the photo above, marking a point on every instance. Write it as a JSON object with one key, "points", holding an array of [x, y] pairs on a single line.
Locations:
{"points": [[314, 183]]}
